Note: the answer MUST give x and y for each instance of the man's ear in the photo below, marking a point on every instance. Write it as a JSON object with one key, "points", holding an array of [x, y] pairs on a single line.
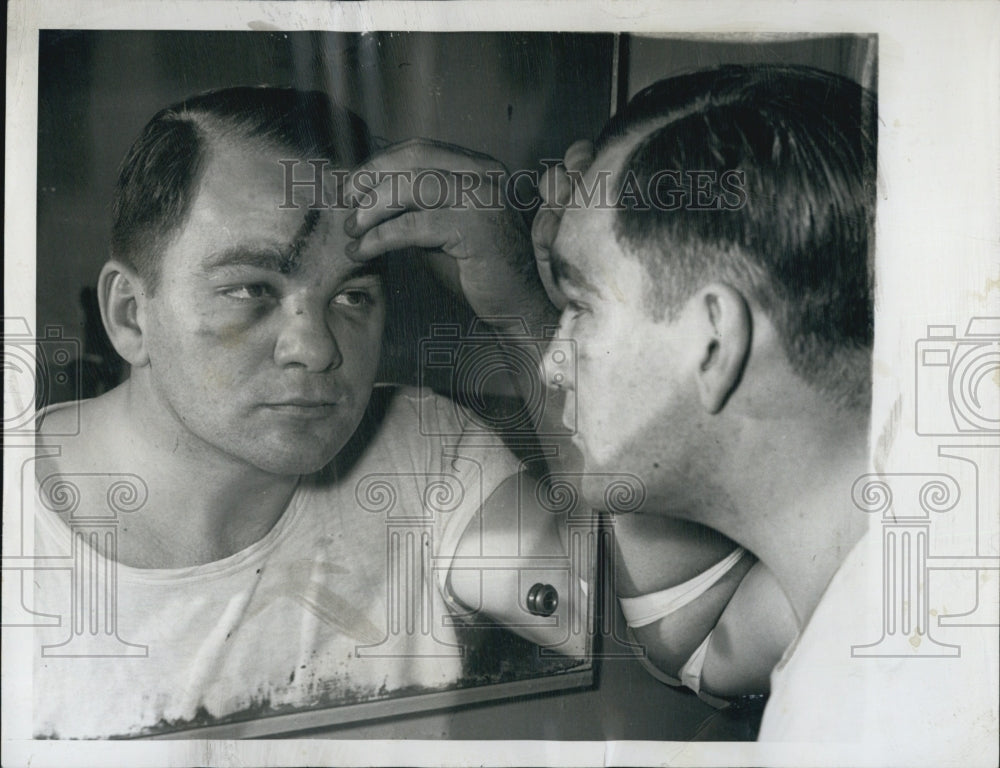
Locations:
{"points": [[122, 297], [724, 332]]}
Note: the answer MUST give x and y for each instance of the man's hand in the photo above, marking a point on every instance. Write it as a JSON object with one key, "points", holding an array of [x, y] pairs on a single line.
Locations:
{"points": [[556, 189], [451, 202]]}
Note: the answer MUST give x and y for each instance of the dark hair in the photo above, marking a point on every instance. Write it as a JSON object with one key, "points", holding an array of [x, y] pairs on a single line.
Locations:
{"points": [[159, 176], [800, 241]]}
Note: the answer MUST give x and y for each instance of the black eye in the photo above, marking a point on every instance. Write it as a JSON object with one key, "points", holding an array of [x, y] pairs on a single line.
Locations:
{"points": [[354, 297], [248, 292]]}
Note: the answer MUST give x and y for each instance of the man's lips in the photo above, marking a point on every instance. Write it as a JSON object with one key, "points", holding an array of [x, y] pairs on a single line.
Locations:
{"points": [[303, 407]]}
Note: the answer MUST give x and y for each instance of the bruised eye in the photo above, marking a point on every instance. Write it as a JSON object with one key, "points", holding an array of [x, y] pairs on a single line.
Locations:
{"points": [[355, 297], [248, 292]]}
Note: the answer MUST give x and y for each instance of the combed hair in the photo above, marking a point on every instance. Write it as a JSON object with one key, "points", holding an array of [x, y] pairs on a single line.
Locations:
{"points": [[801, 244], [159, 176]]}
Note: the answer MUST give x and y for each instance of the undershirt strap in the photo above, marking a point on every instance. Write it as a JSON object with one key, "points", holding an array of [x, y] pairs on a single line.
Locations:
{"points": [[645, 609]]}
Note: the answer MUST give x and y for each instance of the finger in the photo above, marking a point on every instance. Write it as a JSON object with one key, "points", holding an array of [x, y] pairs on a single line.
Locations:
{"points": [[555, 188], [543, 234], [425, 190], [437, 154], [412, 229], [389, 198], [544, 229], [579, 155]]}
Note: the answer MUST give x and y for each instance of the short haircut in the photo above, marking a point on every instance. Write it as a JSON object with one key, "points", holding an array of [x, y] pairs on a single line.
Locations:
{"points": [[801, 242], [159, 176]]}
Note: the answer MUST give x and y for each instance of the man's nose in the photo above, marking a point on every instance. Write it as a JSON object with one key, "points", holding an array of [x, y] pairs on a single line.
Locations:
{"points": [[307, 340], [558, 363]]}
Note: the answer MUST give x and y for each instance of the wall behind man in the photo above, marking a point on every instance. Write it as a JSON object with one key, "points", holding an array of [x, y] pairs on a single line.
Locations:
{"points": [[653, 57]]}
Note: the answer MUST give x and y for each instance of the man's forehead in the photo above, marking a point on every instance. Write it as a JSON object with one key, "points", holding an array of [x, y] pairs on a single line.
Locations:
{"points": [[610, 161], [258, 215], [588, 225], [240, 215], [267, 168], [590, 219], [585, 251]]}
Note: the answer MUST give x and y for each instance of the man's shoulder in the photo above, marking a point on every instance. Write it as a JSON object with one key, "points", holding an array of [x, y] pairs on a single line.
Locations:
{"points": [[70, 435], [401, 428], [418, 413], [407, 430], [424, 402], [435, 419], [64, 421], [836, 686]]}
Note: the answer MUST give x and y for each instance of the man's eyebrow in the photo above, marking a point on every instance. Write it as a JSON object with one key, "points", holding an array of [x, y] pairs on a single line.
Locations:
{"points": [[372, 268], [259, 257], [272, 259], [565, 273]]}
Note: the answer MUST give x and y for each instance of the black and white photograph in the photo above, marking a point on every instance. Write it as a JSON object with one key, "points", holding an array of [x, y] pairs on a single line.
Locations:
{"points": [[525, 383]]}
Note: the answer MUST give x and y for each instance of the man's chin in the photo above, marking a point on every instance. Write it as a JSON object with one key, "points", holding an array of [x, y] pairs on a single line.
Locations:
{"points": [[293, 465], [301, 448], [294, 457]]}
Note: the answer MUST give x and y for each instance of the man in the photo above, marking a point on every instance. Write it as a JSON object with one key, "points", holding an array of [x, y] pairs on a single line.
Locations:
{"points": [[251, 569], [723, 332], [677, 579]]}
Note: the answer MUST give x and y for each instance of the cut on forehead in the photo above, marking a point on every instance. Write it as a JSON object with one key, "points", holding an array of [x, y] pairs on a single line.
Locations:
{"points": [[272, 259], [284, 260], [157, 179]]}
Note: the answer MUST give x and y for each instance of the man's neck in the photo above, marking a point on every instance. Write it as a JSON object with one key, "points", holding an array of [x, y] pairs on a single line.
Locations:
{"points": [[792, 501], [203, 506]]}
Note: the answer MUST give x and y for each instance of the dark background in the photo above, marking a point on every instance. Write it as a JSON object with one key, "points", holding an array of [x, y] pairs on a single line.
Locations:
{"points": [[520, 97]]}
